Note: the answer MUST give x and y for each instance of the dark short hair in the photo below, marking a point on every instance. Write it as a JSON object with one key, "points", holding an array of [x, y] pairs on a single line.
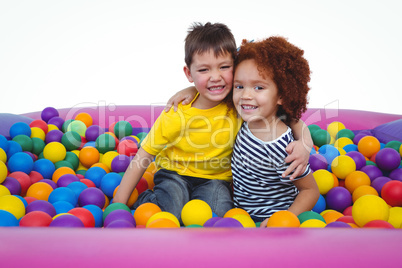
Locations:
{"points": [[202, 38]]}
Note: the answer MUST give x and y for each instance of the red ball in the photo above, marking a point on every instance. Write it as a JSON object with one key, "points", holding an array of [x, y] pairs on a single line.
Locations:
{"points": [[142, 185], [23, 179], [88, 182], [84, 215], [35, 176], [40, 124], [36, 219], [391, 192], [127, 147], [379, 224]]}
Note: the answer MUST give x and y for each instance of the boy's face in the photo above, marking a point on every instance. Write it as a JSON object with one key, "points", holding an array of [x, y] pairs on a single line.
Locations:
{"points": [[255, 97], [212, 76]]}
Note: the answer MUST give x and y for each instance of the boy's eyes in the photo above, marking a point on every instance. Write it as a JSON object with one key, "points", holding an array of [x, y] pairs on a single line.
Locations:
{"points": [[226, 67]]}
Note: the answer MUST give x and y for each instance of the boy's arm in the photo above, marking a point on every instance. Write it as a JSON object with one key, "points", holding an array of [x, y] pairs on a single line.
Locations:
{"points": [[184, 96], [132, 175], [299, 150]]}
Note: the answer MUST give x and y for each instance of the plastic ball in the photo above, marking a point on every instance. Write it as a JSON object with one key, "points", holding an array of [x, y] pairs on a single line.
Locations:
{"points": [[97, 213], [20, 128], [283, 219], [67, 220], [41, 205], [54, 136], [7, 219], [162, 223], [26, 142], [347, 133], [144, 212], [45, 167], [318, 161], [120, 163], [342, 142], [12, 185], [363, 190], [308, 215], [63, 194], [56, 121], [245, 220], [127, 147], [122, 129], [196, 212], [3, 156], [334, 127], [350, 148], [39, 124], [77, 187], [358, 158], [342, 166], [108, 158], [227, 223], [391, 192], [356, 179], [77, 126], [86, 118], [37, 146], [84, 215], [93, 132], [368, 208], [321, 137], [149, 177], [4, 190], [71, 140], [109, 183], [36, 219], [230, 213], [329, 152], [3, 171], [119, 214], [54, 152], [23, 179], [92, 196], [60, 172], [48, 113], [395, 216], [338, 198], [40, 191], [372, 171], [320, 205], [388, 159], [142, 185], [20, 162], [105, 143], [324, 180], [213, 220], [66, 179], [379, 182], [338, 224], [368, 146], [331, 216], [62, 207], [164, 215], [95, 174], [396, 174], [313, 223], [379, 224], [89, 156]]}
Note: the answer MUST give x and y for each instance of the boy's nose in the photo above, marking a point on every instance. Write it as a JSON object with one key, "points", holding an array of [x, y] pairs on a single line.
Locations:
{"points": [[215, 76]]}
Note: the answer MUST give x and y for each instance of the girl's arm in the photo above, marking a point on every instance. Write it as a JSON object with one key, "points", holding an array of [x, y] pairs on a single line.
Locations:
{"points": [[184, 96], [132, 175], [299, 150]]}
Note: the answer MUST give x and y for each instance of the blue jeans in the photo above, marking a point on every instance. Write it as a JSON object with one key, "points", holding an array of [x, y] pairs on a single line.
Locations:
{"points": [[172, 191]]}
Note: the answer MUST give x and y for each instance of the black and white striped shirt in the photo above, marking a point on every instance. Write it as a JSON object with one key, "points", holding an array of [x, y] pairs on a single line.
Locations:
{"points": [[257, 167]]}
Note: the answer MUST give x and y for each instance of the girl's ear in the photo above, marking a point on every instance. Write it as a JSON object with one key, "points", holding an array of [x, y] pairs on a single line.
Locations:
{"points": [[280, 102], [187, 72]]}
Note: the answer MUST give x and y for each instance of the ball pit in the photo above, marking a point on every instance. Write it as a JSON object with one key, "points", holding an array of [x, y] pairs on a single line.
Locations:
{"points": [[251, 244]]}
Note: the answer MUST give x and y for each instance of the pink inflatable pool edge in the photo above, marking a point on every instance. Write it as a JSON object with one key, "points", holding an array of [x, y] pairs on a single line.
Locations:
{"points": [[203, 247]]}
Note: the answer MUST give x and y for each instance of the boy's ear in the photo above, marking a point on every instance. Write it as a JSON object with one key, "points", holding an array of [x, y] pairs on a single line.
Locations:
{"points": [[187, 72]]}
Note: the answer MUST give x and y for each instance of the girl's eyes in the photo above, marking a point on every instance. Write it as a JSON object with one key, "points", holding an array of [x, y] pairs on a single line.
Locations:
{"points": [[241, 87], [238, 87], [258, 88]]}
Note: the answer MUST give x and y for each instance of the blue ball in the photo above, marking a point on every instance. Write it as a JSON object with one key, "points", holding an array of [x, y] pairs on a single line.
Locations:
{"points": [[20, 128], [350, 147], [20, 162], [109, 183], [62, 206], [13, 147], [7, 219], [45, 167], [97, 212], [3, 143], [95, 174], [321, 205], [77, 187], [329, 152], [63, 194]]}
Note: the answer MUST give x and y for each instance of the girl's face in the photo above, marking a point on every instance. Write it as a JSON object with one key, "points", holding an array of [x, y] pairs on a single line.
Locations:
{"points": [[255, 97]]}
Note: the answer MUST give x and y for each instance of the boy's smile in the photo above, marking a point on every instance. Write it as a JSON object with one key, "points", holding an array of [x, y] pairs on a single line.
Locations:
{"points": [[212, 76]]}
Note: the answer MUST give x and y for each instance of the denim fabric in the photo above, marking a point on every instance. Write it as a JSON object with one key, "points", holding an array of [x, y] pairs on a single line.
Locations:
{"points": [[172, 191]]}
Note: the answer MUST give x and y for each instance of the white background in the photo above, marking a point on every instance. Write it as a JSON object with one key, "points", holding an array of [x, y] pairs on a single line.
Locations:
{"points": [[81, 53]]}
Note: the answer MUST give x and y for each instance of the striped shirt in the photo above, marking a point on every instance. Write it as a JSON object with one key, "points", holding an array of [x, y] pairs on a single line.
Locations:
{"points": [[257, 168]]}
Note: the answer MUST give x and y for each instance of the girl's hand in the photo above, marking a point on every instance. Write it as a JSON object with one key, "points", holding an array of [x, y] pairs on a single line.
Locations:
{"points": [[299, 154], [184, 96], [264, 223]]}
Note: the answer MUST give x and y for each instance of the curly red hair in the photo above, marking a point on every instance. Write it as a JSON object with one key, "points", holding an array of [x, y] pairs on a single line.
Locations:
{"points": [[285, 64]]}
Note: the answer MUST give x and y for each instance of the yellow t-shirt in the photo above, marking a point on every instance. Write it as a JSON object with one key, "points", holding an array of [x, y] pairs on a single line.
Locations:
{"points": [[194, 142]]}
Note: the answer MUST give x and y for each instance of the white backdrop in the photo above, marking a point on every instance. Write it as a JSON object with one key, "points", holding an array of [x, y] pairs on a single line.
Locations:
{"points": [[120, 52]]}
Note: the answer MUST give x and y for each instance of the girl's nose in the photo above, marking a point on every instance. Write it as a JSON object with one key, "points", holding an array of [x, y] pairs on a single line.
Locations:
{"points": [[247, 94]]}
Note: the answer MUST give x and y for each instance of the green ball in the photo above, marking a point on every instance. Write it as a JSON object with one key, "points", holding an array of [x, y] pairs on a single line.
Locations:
{"points": [[141, 136], [194, 226], [77, 126], [321, 137], [113, 207], [313, 128], [122, 129], [308, 215], [71, 140], [81, 172], [24, 141], [63, 163], [65, 125], [346, 133], [370, 163], [394, 145], [105, 143], [37, 146], [73, 159]]}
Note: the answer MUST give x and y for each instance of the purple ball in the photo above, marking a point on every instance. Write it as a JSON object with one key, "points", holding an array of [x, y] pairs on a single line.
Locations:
{"points": [[228, 223], [396, 174], [338, 198], [119, 214], [93, 132], [66, 179], [92, 196], [210, 222], [57, 121], [359, 136], [13, 185], [41, 205], [120, 224], [338, 224], [372, 171], [318, 161], [54, 135], [50, 182], [379, 182], [48, 113], [388, 159], [359, 159], [66, 221], [120, 163]]}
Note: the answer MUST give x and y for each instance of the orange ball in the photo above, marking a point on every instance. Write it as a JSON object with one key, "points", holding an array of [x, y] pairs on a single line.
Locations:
{"points": [[234, 211], [89, 156], [144, 212], [149, 177], [60, 172], [40, 191], [331, 216], [355, 179], [102, 165], [152, 168], [363, 190], [283, 218], [132, 199], [368, 146], [85, 118]]}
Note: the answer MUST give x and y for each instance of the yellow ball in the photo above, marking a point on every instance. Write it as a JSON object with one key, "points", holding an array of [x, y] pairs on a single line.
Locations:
{"points": [[196, 212], [3, 156], [342, 166], [395, 217], [37, 132], [3, 171], [4, 190], [324, 180], [342, 142], [334, 128], [13, 205], [245, 220], [313, 223], [51, 127], [369, 208], [164, 215], [54, 151], [107, 158]]}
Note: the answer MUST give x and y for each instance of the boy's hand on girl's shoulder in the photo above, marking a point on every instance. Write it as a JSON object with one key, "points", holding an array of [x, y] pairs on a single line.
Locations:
{"points": [[298, 158]]}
